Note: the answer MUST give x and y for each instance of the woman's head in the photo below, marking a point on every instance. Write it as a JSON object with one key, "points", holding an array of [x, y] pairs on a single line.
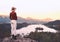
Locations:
{"points": [[13, 9]]}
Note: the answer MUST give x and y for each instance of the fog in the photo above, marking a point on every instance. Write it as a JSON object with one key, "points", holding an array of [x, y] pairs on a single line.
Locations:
{"points": [[31, 28]]}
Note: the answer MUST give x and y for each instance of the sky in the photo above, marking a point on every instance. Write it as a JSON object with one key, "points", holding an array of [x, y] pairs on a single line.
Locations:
{"points": [[37, 9]]}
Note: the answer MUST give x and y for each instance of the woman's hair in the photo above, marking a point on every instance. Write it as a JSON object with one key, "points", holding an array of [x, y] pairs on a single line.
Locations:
{"points": [[13, 8]]}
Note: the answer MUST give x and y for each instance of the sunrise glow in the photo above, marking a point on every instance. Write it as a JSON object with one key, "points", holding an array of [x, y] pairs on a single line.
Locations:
{"points": [[37, 9]]}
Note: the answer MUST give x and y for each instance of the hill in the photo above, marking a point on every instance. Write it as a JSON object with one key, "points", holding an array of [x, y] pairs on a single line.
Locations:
{"points": [[5, 28], [54, 24]]}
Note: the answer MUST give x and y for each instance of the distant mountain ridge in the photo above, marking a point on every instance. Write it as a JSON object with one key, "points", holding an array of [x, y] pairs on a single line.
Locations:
{"points": [[5, 19]]}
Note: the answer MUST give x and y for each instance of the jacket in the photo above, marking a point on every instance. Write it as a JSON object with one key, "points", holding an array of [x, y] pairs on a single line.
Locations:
{"points": [[13, 16]]}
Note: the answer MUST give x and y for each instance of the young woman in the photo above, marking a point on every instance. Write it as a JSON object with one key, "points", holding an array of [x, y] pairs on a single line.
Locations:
{"points": [[13, 18]]}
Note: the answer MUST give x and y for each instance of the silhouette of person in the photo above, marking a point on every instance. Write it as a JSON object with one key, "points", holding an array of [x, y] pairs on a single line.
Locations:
{"points": [[13, 18]]}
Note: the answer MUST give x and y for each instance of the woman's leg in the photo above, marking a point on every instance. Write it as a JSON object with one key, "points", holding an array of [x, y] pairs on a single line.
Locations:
{"points": [[15, 25], [13, 28]]}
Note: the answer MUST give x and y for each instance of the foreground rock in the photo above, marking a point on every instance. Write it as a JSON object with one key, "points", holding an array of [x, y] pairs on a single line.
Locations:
{"points": [[19, 39]]}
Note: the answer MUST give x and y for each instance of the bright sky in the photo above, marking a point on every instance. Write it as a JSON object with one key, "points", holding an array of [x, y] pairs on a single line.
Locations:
{"points": [[38, 9]]}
